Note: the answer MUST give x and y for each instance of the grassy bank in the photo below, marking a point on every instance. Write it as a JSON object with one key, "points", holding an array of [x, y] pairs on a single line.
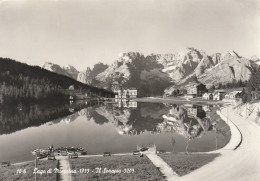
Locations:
{"points": [[10, 172], [183, 164], [143, 168]]}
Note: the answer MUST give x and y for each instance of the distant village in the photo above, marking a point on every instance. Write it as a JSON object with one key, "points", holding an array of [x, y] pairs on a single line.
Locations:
{"points": [[199, 90], [191, 90]]}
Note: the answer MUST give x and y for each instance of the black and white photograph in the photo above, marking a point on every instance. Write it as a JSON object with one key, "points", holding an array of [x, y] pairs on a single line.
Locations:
{"points": [[130, 90]]}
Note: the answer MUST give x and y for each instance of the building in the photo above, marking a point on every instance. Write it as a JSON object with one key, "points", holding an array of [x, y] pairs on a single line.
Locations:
{"points": [[255, 95], [118, 93], [125, 93], [132, 93], [218, 95], [207, 96], [231, 96], [197, 89]]}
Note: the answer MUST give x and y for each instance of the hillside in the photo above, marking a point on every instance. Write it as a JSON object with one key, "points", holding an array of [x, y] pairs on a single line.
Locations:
{"points": [[19, 81]]}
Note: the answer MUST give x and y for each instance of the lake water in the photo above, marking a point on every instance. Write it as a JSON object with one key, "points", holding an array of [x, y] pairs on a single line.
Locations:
{"points": [[109, 127]]}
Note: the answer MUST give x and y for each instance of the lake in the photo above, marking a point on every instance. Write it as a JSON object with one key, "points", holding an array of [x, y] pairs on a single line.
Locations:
{"points": [[110, 127]]}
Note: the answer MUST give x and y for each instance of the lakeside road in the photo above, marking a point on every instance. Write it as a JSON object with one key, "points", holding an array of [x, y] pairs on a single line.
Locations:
{"points": [[179, 100], [234, 165]]}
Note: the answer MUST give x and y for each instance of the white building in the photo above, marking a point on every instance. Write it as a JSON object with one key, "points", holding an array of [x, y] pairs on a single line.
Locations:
{"points": [[231, 96], [125, 93], [207, 96], [218, 95]]}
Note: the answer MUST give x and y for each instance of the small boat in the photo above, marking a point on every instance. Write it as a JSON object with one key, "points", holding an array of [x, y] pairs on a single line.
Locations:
{"points": [[41, 151], [107, 154], [6, 164]]}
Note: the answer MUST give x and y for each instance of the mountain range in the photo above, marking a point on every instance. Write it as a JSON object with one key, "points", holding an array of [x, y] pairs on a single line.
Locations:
{"points": [[156, 74]]}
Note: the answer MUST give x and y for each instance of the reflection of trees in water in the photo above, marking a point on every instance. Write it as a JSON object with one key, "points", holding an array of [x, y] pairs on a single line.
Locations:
{"points": [[13, 119]]}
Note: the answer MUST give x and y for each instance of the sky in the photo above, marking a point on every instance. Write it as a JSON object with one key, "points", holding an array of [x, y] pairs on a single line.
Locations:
{"points": [[84, 32]]}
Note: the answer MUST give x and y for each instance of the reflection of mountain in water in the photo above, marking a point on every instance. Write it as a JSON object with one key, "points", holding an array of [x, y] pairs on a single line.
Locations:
{"points": [[132, 121], [190, 121]]}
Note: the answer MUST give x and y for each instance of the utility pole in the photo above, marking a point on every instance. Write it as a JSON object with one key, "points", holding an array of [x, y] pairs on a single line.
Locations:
{"points": [[36, 165]]}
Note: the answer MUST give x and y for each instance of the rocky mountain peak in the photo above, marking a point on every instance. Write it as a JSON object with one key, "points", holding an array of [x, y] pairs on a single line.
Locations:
{"points": [[254, 58], [89, 75], [69, 71], [70, 68], [229, 55], [128, 57], [52, 67]]}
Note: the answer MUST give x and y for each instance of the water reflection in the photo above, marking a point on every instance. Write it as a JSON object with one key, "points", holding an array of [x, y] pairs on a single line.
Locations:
{"points": [[115, 127], [126, 103], [190, 121], [13, 119]]}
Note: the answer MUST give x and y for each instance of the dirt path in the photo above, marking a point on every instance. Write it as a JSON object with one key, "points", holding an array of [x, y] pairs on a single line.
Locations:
{"points": [[234, 165], [163, 166], [160, 163], [64, 165]]}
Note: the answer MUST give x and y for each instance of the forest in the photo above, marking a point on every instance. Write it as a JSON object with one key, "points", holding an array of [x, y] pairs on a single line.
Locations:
{"points": [[20, 82]]}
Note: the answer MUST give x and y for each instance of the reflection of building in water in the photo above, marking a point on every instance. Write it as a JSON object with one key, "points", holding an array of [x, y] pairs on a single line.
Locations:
{"points": [[207, 108], [191, 111], [187, 121], [126, 103], [195, 111]]}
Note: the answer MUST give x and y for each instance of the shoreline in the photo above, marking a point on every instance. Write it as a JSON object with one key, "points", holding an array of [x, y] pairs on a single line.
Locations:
{"points": [[180, 101]]}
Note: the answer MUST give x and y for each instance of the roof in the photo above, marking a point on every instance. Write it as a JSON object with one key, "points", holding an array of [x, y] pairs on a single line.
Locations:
{"points": [[233, 93]]}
